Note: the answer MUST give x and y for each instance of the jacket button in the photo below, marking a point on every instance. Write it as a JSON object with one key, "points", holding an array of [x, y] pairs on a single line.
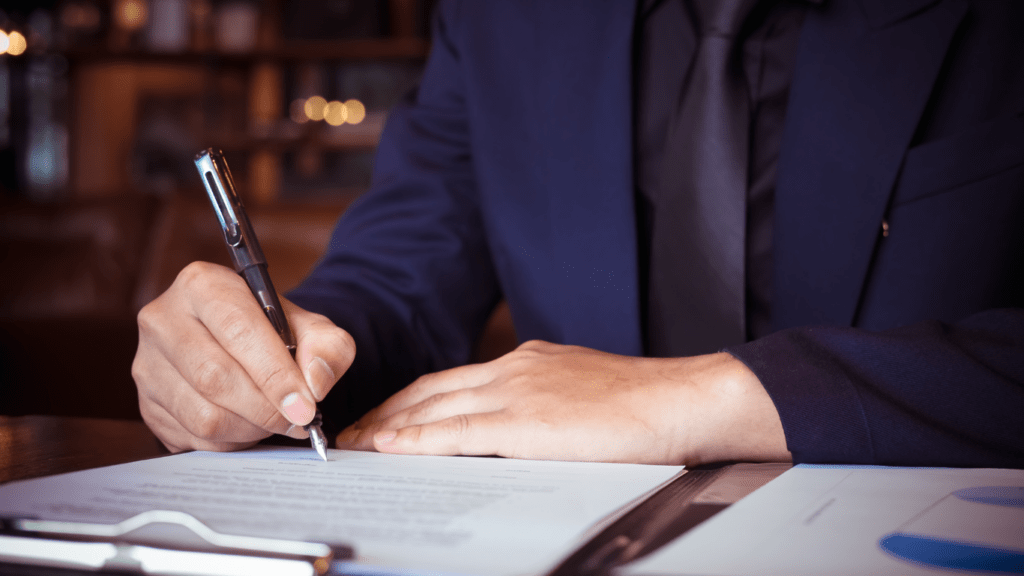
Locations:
{"points": [[885, 228]]}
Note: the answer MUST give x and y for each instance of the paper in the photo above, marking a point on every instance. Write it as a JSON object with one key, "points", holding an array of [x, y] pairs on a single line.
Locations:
{"points": [[487, 516], [859, 520]]}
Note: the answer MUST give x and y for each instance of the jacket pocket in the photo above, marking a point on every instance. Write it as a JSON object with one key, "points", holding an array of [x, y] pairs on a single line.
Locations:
{"points": [[944, 165]]}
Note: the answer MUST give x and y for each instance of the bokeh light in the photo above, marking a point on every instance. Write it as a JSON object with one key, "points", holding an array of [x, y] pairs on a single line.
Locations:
{"points": [[131, 14], [335, 113], [314, 107], [5, 42], [16, 43], [356, 111]]}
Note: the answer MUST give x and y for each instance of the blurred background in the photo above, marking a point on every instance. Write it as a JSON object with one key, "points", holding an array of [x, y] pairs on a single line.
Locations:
{"points": [[104, 104]]}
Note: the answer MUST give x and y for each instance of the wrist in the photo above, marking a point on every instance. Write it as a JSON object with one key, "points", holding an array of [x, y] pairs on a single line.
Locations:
{"points": [[726, 414]]}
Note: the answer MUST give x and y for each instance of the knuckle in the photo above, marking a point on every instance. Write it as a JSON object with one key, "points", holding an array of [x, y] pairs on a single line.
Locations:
{"points": [[205, 422], [235, 324], [275, 377], [211, 378], [195, 274], [147, 318], [139, 372], [152, 320], [458, 426], [157, 423], [530, 350], [532, 345], [428, 406], [146, 379], [340, 343], [414, 434]]}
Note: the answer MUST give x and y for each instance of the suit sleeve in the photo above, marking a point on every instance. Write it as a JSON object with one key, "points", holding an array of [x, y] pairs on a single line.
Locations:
{"points": [[408, 272], [929, 394]]}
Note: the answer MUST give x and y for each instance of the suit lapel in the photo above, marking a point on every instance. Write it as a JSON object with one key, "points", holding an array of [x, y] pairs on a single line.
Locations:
{"points": [[864, 74]]}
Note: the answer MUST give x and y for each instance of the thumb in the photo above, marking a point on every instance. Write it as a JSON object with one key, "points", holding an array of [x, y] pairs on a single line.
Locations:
{"points": [[323, 351]]}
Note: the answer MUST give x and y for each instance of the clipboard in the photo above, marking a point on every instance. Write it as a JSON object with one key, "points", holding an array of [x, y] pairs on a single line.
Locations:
{"points": [[124, 548]]}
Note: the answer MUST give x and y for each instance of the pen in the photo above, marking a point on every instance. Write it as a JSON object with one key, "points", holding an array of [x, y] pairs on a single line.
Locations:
{"points": [[248, 259]]}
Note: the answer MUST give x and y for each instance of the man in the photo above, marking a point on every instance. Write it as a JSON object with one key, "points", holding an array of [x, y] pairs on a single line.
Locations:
{"points": [[881, 268]]}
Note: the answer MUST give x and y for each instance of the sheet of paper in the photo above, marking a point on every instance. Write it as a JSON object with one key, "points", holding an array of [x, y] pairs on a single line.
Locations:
{"points": [[817, 520], [441, 514]]}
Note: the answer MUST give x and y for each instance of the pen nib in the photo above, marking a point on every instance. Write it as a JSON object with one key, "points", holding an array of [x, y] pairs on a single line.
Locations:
{"points": [[316, 436]]}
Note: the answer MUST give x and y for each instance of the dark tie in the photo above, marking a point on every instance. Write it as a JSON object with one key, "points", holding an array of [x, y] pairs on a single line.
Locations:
{"points": [[696, 295]]}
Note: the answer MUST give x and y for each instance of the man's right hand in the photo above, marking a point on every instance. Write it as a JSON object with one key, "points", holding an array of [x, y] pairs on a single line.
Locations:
{"points": [[213, 374]]}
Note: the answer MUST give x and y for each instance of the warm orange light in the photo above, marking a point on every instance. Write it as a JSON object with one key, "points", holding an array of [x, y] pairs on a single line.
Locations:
{"points": [[5, 42], [356, 111], [16, 43], [131, 14], [335, 113], [297, 111], [314, 107]]}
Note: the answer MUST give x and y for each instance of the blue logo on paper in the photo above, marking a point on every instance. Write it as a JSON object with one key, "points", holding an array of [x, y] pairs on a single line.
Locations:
{"points": [[955, 555]]}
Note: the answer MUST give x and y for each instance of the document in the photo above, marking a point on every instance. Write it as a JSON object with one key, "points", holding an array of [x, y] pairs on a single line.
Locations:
{"points": [[815, 520], [438, 515]]}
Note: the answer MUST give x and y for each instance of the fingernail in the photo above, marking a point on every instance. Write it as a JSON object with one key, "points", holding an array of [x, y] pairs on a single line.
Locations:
{"points": [[384, 437], [297, 409], [321, 377], [296, 432]]}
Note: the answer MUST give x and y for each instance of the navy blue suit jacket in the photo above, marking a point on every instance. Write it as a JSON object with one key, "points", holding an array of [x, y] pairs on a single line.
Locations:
{"points": [[509, 173]]}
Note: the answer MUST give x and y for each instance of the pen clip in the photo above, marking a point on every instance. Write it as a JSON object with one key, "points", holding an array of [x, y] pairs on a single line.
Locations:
{"points": [[221, 189], [239, 236]]}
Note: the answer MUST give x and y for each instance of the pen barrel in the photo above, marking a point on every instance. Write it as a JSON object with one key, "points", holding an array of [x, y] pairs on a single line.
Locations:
{"points": [[259, 282], [245, 251], [240, 238]]}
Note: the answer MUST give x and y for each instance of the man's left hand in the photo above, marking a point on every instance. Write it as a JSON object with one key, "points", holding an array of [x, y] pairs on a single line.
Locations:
{"points": [[555, 402]]}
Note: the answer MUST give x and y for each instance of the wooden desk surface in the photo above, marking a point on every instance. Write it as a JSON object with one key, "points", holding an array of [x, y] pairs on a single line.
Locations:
{"points": [[32, 446]]}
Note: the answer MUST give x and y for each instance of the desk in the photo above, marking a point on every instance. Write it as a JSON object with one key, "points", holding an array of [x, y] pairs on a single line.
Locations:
{"points": [[32, 446]]}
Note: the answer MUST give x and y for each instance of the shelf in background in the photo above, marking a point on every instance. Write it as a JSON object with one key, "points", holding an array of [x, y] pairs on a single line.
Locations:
{"points": [[306, 50]]}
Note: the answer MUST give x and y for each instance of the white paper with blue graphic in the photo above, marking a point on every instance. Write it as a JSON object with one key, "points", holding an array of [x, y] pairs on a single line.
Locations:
{"points": [[817, 520]]}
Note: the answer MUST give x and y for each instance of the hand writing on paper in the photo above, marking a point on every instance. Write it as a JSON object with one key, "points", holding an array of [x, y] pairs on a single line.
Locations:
{"points": [[547, 401], [212, 373]]}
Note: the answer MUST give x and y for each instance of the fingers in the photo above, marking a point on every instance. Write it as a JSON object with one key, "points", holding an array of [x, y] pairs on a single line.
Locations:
{"points": [[236, 322], [434, 408], [324, 351], [218, 408], [199, 423], [465, 434], [463, 377], [207, 372], [212, 373], [178, 439]]}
